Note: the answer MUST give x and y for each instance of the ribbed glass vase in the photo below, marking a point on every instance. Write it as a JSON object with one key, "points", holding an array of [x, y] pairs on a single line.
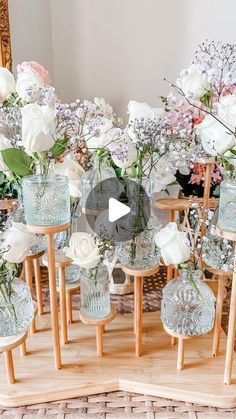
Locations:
{"points": [[16, 306], [46, 200], [188, 305], [227, 206], [94, 292]]}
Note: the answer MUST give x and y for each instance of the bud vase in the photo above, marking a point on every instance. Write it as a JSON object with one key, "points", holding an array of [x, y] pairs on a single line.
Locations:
{"points": [[94, 292], [188, 305], [227, 206], [46, 200], [140, 252], [16, 306]]}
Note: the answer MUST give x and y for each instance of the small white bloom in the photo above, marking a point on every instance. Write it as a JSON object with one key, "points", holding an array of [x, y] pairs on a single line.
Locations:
{"points": [[138, 110], [194, 83], [172, 244], [83, 250], [19, 240], [7, 83]]}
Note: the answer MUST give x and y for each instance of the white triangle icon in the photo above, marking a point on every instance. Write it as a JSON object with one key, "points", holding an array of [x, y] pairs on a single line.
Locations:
{"points": [[117, 210]]}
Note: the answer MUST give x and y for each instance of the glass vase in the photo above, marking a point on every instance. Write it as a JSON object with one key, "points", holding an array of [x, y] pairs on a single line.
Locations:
{"points": [[46, 200], [94, 292], [100, 171], [227, 206], [141, 252], [16, 306], [188, 305], [62, 240], [217, 252]]}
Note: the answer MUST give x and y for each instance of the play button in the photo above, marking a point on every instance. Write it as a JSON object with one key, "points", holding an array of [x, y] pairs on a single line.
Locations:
{"points": [[117, 210]]}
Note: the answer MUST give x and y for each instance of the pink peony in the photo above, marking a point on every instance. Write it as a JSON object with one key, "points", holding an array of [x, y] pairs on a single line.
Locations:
{"points": [[42, 72]]}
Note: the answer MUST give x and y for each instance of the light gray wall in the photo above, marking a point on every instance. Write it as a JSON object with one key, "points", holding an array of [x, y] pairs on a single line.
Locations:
{"points": [[119, 49]]}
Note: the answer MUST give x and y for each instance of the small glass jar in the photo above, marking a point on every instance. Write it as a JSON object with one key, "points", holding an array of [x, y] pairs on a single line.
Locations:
{"points": [[16, 306], [188, 305], [227, 206], [46, 200], [94, 292]]}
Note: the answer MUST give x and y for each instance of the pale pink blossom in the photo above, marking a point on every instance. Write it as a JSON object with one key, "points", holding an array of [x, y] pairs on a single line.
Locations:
{"points": [[42, 72]]}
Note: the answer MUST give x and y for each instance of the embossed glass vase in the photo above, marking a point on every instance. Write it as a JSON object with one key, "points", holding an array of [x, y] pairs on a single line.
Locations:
{"points": [[46, 200], [188, 305], [94, 292], [16, 306], [227, 206]]}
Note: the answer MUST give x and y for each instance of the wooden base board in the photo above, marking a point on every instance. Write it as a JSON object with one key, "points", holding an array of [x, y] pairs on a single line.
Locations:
{"points": [[84, 374]]}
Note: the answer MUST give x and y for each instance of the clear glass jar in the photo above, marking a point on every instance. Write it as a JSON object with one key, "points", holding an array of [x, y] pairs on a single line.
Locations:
{"points": [[94, 292], [217, 252], [227, 206], [141, 251], [16, 306], [188, 305], [46, 200], [100, 170]]}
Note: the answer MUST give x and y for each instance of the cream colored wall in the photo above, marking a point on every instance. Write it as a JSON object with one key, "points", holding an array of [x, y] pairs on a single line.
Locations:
{"points": [[119, 49], [31, 34]]}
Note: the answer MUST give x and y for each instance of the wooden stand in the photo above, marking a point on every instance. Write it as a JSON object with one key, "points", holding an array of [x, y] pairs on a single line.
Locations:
{"points": [[7, 344], [34, 259], [138, 275], [232, 313], [99, 323], [65, 291], [49, 231]]}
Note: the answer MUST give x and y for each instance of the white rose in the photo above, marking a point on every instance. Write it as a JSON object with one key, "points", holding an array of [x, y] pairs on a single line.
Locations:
{"points": [[105, 137], [123, 152], [4, 145], [28, 84], [83, 250], [7, 83], [138, 110], [172, 244], [162, 175], [19, 241], [194, 82], [227, 110], [215, 137], [73, 171], [38, 127]]}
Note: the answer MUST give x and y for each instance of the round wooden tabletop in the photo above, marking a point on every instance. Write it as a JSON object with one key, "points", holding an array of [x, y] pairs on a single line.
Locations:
{"points": [[61, 260], [229, 235], [140, 272], [48, 229], [7, 343], [98, 322]]}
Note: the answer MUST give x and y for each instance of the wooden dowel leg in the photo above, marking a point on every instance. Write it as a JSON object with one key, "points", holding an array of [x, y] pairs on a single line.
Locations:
{"points": [[218, 316], [172, 340], [9, 367], [23, 351], [180, 359], [69, 308], [231, 328], [138, 288], [62, 287], [99, 340], [37, 276], [53, 301], [103, 328]]}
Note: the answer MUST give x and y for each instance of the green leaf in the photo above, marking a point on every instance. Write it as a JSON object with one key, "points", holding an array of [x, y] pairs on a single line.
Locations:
{"points": [[17, 161], [233, 152], [59, 147], [206, 99]]}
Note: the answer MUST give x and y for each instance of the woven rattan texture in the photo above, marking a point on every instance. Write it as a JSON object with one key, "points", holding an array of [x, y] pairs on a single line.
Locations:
{"points": [[122, 404]]}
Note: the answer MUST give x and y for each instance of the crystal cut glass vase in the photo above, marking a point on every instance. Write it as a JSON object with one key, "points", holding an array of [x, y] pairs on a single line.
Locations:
{"points": [[227, 206], [16, 306], [188, 305], [94, 292], [46, 200]]}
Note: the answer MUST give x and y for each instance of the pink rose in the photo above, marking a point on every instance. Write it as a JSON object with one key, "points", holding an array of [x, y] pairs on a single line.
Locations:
{"points": [[42, 72]]}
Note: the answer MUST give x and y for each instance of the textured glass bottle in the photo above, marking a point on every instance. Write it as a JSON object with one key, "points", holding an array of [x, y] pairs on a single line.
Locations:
{"points": [[46, 200], [227, 207], [217, 252], [16, 306], [187, 309], [100, 170], [141, 252], [94, 292]]}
